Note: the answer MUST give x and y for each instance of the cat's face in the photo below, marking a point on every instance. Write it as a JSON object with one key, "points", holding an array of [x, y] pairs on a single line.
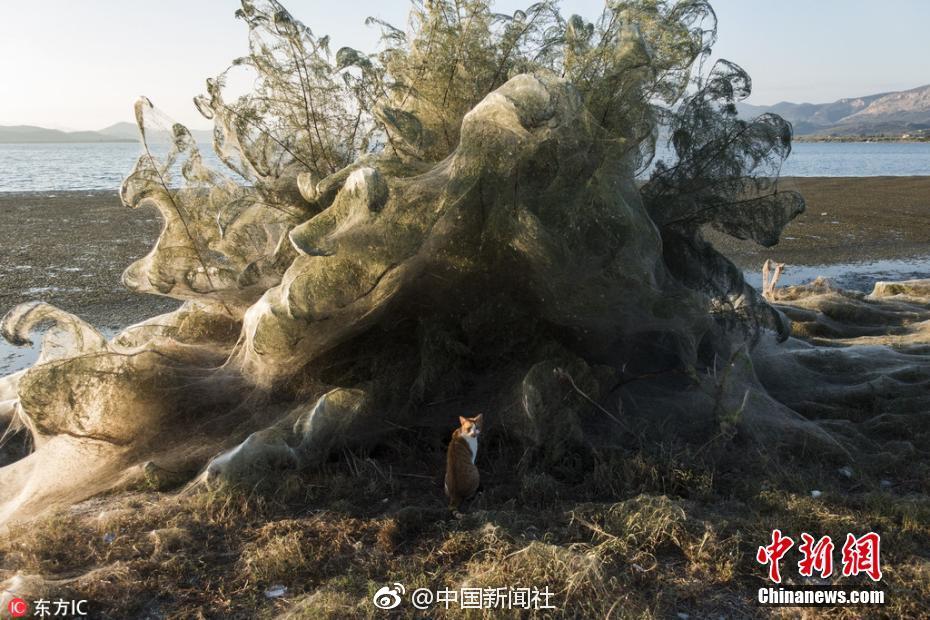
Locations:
{"points": [[471, 427]]}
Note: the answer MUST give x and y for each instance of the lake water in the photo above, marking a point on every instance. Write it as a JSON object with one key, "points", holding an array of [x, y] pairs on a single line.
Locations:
{"points": [[860, 276], [65, 167], [62, 167], [851, 159], [858, 159]]}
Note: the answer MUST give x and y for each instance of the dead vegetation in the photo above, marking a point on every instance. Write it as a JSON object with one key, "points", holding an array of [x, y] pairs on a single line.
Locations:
{"points": [[648, 532]]}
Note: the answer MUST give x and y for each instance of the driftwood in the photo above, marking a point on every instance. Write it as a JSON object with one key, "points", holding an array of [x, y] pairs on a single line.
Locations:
{"points": [[771, 272]]}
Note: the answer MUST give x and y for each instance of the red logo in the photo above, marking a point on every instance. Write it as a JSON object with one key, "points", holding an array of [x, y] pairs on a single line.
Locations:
{"points": [[860, 555], [771, 554], [817, 556], [18, 608]]}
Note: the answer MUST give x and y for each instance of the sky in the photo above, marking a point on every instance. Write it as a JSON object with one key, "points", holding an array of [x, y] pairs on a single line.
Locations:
{"points": [[80, 65]]}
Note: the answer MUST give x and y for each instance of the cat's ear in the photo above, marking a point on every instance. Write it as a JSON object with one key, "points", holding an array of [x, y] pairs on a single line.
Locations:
{"points": [[478, 419], [463, 421]]}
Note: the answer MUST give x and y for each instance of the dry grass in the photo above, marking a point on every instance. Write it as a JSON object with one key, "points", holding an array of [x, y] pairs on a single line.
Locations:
{"points": [[649, 533]]}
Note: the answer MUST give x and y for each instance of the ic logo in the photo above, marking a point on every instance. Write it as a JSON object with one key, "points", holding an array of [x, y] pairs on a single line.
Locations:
{"points": [[18, 608]]}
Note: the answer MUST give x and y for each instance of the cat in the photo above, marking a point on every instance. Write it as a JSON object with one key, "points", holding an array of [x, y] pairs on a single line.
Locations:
{"points": [[462, 478]]}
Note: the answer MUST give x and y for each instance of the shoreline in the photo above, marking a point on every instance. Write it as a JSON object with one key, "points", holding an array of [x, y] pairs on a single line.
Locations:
{"points": [[69, 248], [859, 139], [848, 220]]}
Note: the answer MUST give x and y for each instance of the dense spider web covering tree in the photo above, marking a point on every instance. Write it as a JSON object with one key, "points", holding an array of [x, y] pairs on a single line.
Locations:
{"points": [[455, 219]]}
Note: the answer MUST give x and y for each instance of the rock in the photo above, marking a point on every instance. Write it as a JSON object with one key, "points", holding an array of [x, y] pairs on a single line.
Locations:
{"points": [[276, 591]]}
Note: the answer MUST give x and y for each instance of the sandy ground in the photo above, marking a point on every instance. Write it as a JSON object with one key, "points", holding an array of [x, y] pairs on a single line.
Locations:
{"points": [[847, 220], [69, 248]]}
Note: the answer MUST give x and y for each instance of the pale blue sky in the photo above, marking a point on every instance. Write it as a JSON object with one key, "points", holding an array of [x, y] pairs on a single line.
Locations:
{"points": [[80, 65]]}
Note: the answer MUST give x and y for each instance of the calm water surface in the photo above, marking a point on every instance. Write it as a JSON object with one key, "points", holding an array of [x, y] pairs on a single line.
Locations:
{"points": [[67, 167], [850, 159], [851, 276], [63, 167], [858, 159]]}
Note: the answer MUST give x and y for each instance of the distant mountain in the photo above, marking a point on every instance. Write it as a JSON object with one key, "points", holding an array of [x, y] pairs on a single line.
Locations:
{"points": [[33, 135], [895, 114], [885, 113], [126, 131], [119, 132], [130, 130]]}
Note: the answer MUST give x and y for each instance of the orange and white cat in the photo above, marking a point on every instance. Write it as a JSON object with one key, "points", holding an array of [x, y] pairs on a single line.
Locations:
{"points": [[462, 476]]}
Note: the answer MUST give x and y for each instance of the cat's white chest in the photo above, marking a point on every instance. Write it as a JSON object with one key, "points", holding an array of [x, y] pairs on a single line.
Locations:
{"points": [[473, 446]]}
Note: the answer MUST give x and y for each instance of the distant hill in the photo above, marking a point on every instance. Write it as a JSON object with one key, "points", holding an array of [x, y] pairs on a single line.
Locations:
{"points": [[119, 132], [896, 113], [125, 131], [35, 135], [889, 114], [129, 130]]}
